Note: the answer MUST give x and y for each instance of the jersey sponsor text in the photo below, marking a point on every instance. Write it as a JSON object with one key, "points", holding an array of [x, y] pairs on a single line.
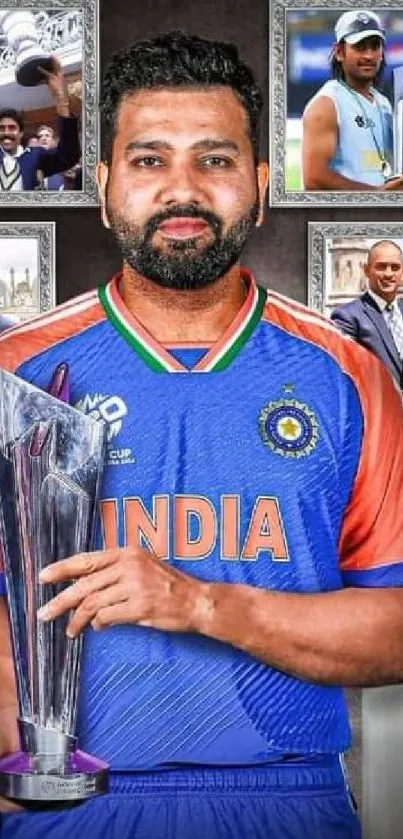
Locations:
{"points": [[197, 527]]}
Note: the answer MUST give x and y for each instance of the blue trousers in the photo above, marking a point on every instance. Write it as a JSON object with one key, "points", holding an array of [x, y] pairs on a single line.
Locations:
{"points": [[296, 800]]}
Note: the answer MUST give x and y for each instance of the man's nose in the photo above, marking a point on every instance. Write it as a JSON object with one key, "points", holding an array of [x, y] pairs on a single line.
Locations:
{"points": [[182, 186], [369, 51]]}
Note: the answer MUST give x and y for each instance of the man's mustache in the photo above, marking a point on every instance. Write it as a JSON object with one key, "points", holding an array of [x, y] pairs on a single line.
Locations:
{"points": [[183, 211]]}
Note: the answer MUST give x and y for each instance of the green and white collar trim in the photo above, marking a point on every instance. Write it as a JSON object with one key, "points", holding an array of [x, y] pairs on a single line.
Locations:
{"points": [[218, 357]]}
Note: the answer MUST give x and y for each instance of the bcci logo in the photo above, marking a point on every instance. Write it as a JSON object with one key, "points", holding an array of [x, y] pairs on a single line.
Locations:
{"points": [[289, 428], [108, 409]]}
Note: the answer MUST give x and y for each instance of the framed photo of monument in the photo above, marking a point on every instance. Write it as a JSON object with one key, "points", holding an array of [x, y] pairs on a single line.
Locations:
{"points": [[336, 131], [49, 123], [27, 269], [337, 254]]}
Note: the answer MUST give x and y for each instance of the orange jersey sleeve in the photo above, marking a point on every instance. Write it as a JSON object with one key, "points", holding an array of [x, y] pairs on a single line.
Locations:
{"points": [[372, 532]]}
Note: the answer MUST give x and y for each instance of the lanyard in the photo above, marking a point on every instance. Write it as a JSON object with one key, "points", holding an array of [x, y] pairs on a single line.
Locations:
{"points": [[385, 165]]}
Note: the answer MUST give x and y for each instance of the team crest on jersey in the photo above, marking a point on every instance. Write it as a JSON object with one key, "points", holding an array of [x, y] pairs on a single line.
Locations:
{"points": [[289, 428]]}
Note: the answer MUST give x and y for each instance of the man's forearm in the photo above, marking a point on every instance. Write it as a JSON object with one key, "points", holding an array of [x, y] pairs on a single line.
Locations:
{"points": [[329, 179], [61, 100], [63, 106], [349, 637]]}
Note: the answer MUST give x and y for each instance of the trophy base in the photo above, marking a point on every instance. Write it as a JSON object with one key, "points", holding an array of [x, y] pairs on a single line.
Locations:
{"points": [[86, 776], [28, 74]]}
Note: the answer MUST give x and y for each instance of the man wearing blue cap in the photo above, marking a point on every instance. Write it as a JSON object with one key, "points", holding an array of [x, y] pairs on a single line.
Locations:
{"points": [[348, 124]]}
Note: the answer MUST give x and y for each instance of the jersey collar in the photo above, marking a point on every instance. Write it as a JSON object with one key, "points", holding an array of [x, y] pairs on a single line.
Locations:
{"points": [[218, 357]]}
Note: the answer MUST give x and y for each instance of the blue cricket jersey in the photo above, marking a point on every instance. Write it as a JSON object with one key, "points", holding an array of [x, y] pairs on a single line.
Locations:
{"points": [[269, 459]]}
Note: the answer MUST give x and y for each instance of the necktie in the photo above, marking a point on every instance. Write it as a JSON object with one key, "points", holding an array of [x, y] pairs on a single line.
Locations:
{"points": [[395, 324]]}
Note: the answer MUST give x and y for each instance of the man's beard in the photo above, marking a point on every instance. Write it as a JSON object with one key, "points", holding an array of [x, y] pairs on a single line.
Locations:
{"points": [[182, 264], [13, 144]]}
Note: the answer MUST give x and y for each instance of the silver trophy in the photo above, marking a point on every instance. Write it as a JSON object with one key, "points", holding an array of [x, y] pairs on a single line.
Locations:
{"points": [[20, 32], [51, 459]]}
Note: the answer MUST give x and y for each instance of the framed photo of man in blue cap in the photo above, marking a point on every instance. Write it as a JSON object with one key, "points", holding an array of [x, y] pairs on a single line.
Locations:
{"points": [[334, 104]]}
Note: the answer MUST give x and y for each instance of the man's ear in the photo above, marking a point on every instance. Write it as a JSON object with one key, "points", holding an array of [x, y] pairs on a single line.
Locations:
{"points": [[101, 176], [339, 51], [263, 173]]}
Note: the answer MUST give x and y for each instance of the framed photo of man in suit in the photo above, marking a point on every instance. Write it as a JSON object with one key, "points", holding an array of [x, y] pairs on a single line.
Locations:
{"points": [[356, 279]]}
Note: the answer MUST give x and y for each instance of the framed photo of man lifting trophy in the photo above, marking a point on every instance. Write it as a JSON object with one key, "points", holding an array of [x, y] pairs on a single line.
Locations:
{"points": [[49, 128]]}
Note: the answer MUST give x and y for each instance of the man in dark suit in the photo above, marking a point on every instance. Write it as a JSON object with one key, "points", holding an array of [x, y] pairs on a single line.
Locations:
{"points": [[375, 320], [18, 165]]}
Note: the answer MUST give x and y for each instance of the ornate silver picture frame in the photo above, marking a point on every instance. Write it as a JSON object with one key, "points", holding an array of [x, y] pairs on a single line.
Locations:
{"points": [[69, 31], [336, 255], [27, 269], [289, 55]]}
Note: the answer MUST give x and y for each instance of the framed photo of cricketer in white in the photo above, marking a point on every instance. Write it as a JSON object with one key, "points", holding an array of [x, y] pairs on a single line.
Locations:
{"points": [[49, 125]]}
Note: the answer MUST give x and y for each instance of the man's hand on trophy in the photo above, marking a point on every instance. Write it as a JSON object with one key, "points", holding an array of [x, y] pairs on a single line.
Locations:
{"points": [[8, 806], [57, 86], [127, 585]]}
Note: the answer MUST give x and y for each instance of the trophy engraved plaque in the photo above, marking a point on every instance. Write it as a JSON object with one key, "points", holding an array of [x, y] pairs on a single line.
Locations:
{"points": [[18, 26], [51, 458]]}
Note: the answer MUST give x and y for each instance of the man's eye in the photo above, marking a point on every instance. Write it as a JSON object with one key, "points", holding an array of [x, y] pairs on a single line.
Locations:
{"points": [[148, 162], [216, 161]]}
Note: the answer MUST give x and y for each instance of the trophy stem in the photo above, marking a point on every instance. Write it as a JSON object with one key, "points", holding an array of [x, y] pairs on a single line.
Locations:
{"points": [[50, 749], [33, 456]]}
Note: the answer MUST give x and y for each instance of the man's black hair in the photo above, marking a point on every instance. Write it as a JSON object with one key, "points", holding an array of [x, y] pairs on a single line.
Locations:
{"points": [[338, 72], [11, 113], [176, 59]]}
